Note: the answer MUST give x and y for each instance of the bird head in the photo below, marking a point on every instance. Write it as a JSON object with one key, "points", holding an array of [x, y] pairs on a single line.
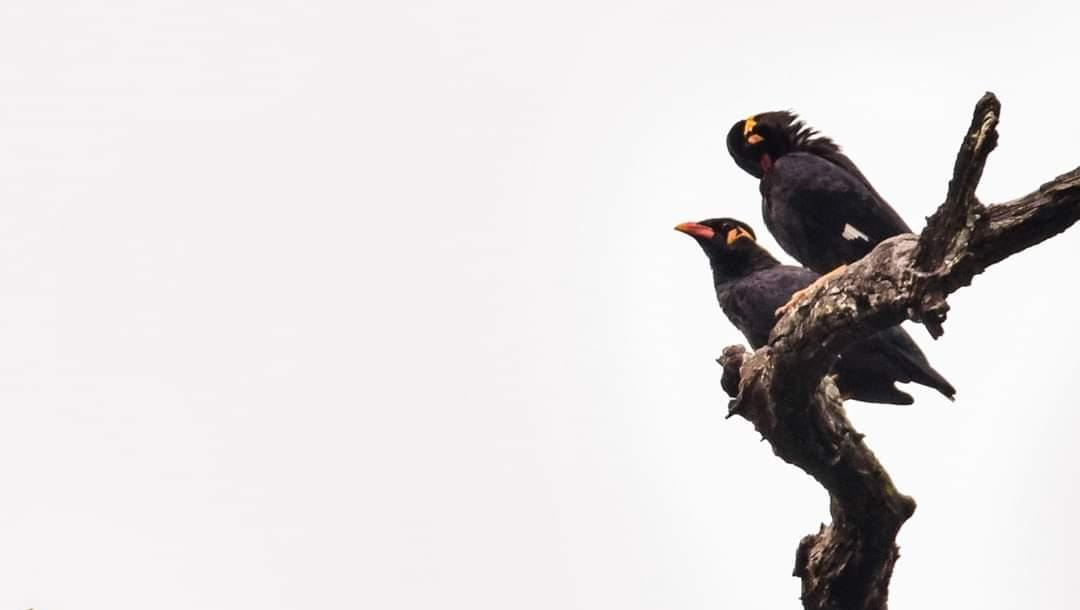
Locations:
{"points": [[757, 142], [731, 246]]}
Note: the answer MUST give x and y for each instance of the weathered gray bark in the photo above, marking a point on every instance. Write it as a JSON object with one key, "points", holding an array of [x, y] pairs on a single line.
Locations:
{"points": [[783, 390]]}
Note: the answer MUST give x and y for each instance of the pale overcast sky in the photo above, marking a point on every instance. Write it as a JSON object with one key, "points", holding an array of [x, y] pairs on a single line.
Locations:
{"points": [[340, 305]]}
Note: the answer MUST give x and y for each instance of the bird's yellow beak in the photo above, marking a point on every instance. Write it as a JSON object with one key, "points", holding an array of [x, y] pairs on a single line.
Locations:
{"points": [[734, 235]]}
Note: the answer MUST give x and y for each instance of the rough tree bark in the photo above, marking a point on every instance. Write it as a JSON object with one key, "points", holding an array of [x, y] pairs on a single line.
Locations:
{"points": [[783, 389]]}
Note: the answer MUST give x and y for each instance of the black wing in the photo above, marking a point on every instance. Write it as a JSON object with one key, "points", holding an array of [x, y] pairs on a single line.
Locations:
{"points": [[751, 302], [868, 369], [822, 214]]}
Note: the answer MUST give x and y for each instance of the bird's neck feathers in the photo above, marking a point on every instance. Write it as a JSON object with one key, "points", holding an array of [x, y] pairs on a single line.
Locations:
{"points": [[739, 264], [806, 139], [803, 138]]}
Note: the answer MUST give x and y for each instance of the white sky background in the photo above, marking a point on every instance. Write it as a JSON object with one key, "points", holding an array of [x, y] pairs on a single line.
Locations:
{"points": [[311, 305]]}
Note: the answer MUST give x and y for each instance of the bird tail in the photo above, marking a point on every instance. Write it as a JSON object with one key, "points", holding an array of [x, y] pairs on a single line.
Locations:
{"points": [[928, 376], [916, 365]]}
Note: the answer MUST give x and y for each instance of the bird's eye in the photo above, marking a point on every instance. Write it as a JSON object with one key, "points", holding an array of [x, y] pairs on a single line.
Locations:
{"points": [[733, 234], [754, 139]]}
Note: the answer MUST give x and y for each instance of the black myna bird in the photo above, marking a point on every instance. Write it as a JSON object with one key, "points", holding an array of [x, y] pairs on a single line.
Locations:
{"points": [[751, 285], [816, 203]]}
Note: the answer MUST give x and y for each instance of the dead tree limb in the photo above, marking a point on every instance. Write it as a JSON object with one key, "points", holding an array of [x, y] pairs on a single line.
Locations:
{"points": [[783, 390]]}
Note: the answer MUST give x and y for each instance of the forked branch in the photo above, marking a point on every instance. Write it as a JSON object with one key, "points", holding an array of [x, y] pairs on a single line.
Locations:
{"points": [[783, 390]]}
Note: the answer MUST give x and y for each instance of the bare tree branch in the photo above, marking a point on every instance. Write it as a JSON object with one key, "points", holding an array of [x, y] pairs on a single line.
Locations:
{"points": [[783, 390], [950, 229]]}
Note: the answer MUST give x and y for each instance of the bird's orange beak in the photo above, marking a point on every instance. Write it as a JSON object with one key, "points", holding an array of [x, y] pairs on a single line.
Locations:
{"points": [[696, 230]]}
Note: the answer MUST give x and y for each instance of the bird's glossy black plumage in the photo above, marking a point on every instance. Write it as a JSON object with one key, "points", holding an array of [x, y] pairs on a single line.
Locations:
{"points": [[750, 284], [815, 201]]}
